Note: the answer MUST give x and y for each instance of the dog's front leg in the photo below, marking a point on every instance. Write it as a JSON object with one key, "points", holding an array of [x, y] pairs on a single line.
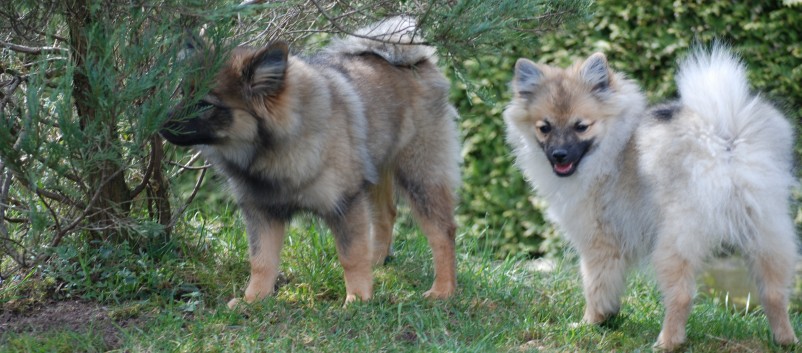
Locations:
{"points": [[351, 228], [265, 239], [603, 269]]}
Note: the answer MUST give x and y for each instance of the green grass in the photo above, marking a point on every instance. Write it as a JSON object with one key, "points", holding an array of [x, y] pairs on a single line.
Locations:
{"points": [[501, 306]]}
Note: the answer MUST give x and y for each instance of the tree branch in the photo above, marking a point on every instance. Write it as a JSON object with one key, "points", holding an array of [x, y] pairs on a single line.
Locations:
{"points": [[5, 185], [85, 212], [333, 21], [148, 171], [183, 207], [33, 50]]}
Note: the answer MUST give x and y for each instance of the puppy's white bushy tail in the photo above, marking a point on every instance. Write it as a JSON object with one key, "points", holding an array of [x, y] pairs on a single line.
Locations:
{"points": [[757, 137], [713, 83], [396, 39]]}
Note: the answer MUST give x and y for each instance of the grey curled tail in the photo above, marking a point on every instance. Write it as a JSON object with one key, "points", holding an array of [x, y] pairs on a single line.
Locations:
{"points": [[396, 39]]}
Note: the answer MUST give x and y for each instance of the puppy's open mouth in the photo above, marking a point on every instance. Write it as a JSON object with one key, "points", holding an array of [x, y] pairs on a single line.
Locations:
{"points": [[564, 169]]}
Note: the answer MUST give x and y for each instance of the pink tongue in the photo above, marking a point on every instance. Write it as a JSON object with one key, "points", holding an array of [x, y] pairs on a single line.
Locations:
{"points": [[563, 168]]}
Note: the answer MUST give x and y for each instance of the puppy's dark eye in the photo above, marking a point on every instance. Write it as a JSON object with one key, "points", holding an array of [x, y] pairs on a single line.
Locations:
{"points": [[545, 129], [581, 127]]}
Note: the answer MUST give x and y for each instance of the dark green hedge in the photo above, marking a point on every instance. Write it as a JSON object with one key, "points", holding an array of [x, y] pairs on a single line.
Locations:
{"points": [[642, 39]]}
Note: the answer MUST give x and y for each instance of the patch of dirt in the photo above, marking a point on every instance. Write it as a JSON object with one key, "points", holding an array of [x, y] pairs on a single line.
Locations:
{"points": [[75, 316]]}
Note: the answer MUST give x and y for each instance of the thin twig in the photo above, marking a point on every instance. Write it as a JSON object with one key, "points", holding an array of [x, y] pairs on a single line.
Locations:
{"points": [[183, 207], [148, 171], [85, 212], [32, 50], [52, 212], [189, 167], [15, 82], [185, 167], [339, 28], [5, 186]]}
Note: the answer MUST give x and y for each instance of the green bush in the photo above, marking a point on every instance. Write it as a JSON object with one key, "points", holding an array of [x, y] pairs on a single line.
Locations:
{"points": [[642, 39], [496, 204]]}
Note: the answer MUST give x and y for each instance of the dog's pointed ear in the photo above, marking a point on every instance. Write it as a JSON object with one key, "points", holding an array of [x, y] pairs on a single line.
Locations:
{"points": [[266, 71], [527, 77], [596, 73]]}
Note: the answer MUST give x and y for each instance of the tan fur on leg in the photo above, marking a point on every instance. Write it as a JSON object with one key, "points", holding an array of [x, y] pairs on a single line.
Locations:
{"points": [[384, 213], [772, 267], [675, 274], [354, 249], [603, 276], [265, 248], [434, 214]]}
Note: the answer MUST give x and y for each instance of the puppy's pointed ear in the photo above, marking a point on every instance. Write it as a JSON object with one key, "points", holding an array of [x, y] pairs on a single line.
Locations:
{"points": [[596, 73], [266, 71], [527, 77]]}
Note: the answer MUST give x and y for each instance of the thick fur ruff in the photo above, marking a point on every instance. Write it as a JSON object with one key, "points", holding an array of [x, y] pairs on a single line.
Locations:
{"points": [[675, 182]]}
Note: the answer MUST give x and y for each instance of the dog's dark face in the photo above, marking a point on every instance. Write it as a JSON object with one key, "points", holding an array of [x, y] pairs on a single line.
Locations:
{"points": [[237, 104], [197, 124], [564, 145], [562, 110]]}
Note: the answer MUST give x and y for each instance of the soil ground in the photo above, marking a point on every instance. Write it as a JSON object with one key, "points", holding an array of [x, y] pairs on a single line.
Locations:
{"points": [[73, 315]]}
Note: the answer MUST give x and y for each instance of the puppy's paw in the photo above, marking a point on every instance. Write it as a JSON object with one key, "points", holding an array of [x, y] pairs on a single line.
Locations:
{"points": [[669, 343], [786, 338], [233, 303], [439, 293]]}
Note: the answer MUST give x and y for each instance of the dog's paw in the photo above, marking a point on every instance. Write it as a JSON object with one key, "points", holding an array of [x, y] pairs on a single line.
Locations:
{"points": [[786, 339], [668, 344], [351, 298], [594, 317], [438, 294], [233, 303]]}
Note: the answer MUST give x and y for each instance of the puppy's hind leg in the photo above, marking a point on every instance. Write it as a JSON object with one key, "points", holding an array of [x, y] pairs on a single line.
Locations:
{"points": [[603, 268], [384, 213], [433, 206], [772, 261], [676, 269]]}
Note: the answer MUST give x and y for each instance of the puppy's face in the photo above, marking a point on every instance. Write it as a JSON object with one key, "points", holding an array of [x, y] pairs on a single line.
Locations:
{"points": [[561, 110], [235, 109]]}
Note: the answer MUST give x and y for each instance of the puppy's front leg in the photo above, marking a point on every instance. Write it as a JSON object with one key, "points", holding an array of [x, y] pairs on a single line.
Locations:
{"points": [[351, 228], [603, 269], [265, 239]]}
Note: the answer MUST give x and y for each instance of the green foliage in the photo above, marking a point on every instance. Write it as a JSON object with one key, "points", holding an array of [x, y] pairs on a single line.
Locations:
{"points": [[470, 28], [642, 39], [78, 119], [496, 204]]}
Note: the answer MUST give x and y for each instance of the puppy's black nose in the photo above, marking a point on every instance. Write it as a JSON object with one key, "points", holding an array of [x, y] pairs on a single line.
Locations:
{"points": [[559, 155]]}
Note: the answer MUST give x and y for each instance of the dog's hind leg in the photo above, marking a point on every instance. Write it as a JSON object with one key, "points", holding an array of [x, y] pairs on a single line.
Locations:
{"points": [[351, 228], [265, 239], [772, 260], [676, 264], [433, 207], [384, 212], [603, 268]]}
